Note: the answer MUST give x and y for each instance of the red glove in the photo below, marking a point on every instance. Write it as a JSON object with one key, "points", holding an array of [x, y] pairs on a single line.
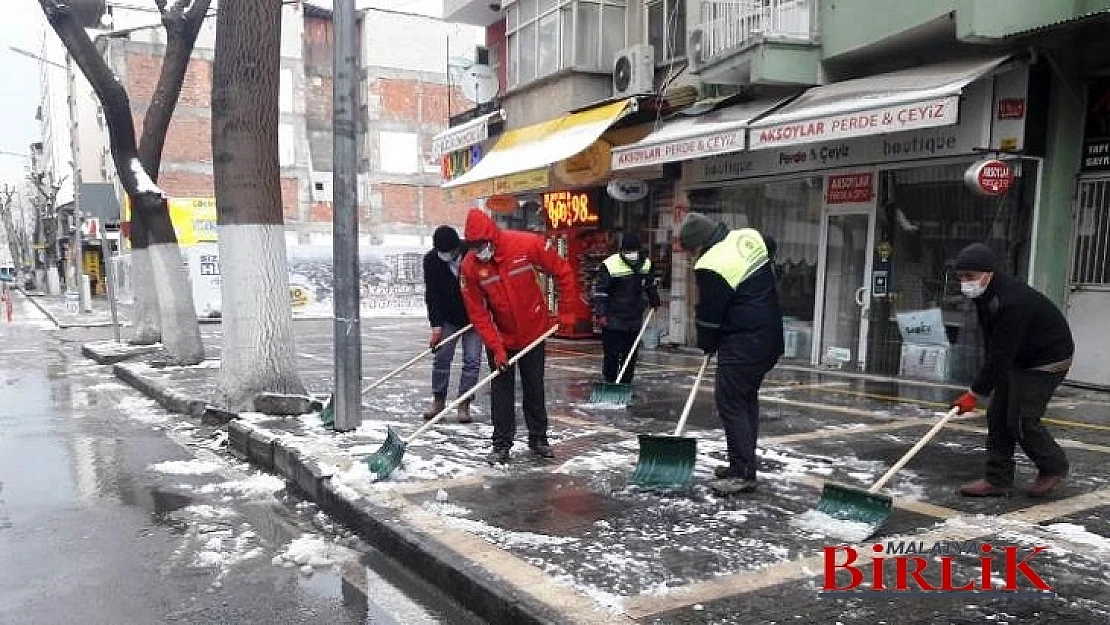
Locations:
{"points": [[966, 402], [437, 336]]}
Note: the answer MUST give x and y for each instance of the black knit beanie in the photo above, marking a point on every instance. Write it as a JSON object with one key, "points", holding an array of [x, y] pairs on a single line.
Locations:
{"points": [[446, 239], [976, 257], [630, 242], [696, 231]]}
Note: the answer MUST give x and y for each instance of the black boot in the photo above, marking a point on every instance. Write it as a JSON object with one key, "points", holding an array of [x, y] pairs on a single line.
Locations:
{"points": [[499, 455], [541, 448]]}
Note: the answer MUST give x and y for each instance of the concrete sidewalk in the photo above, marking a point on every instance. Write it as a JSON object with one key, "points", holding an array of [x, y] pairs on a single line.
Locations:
{"points": [[570, 540], [64, 316]]}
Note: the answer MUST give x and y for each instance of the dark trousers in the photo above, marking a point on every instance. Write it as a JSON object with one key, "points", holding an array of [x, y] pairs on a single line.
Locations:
{"points": [[503, 398], [739, 377], [616, 345], [1014, 418], [472, 361]]}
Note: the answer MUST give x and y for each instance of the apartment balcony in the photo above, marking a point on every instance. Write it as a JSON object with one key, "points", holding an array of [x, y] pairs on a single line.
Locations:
{"points": [[473, 12], [756, 41]]}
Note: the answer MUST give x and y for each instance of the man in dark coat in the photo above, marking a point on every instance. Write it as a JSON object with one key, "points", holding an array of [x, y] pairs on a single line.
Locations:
{"points": [[447, 315], [1029, 350], [739, 319], [625, 287]]}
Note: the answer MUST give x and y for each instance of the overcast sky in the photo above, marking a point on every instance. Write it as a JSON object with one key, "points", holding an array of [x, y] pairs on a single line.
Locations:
{"points": [[23, 27]]}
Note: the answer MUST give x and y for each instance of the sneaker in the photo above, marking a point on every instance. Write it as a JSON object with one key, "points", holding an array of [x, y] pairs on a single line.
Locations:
{"points": [[983, 488], [1045, 484], [499, 455], [542, 449], [733, 486]]}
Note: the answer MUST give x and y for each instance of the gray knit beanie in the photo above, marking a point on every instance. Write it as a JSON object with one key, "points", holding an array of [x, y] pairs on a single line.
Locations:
{"points": [[696, 231]]}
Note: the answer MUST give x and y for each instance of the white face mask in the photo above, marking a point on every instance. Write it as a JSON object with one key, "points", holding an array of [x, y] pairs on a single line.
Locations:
{"points": [[485, 253], [972, 289], [630, 257], [446, 256]]}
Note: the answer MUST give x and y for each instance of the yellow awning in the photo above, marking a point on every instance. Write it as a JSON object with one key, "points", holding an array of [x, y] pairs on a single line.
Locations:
{"points": [[521, 159]]}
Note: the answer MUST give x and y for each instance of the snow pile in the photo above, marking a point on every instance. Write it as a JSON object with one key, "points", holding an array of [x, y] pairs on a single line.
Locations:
{"points": [[257, 486], [206, 512], [505, 538], [1079, 535], [312, 552], [186, 467], [822, 524]]}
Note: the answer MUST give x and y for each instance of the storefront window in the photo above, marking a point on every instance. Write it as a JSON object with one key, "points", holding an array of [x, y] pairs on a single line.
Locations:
{"points": [[920, 325], [789, 212]]}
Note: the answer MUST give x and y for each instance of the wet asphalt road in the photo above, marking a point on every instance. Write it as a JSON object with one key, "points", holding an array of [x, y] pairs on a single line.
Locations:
{"points": [[95, 527]]}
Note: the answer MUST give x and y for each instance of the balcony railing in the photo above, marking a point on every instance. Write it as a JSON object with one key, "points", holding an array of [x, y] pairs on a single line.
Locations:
{"points": [[730, 24]]}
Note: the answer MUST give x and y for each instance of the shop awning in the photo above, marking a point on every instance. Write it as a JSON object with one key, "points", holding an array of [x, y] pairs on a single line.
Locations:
{"points": [[911, 99], [465, 135], [520, 160], [685, 137]]}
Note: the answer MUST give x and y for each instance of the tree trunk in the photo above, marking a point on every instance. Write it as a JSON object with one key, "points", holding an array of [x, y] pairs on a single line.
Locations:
{"points": [[7, 200], [258, 353], [181, 335], [182, 28]]}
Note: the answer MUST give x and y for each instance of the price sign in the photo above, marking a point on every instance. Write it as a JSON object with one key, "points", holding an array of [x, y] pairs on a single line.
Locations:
{"points": [[570, 209]]}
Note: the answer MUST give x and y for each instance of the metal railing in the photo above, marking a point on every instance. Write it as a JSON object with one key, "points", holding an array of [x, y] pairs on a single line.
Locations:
{"points": [[730, 24], [1091, 252]]}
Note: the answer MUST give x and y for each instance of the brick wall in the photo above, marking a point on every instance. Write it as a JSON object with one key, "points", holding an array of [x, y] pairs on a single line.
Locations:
{"points": [[142, 78], [400, 204], [401, 96], [290, 197], [186, 184]]}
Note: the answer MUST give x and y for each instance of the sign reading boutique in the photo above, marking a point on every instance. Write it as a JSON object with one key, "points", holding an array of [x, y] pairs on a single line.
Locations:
{"points": [[964, 138]]}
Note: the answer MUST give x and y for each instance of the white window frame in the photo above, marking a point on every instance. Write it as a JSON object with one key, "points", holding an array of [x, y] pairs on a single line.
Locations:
{"points": [[513, 26], [663, 52]]}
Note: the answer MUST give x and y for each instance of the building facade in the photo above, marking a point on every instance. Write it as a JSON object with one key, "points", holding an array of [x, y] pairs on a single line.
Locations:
{"points": [[871, 145]]}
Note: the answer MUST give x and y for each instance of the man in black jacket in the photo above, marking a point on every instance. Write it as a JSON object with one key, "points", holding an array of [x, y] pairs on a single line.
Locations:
{"points": [[625, 286], [739, 319], [447, 314], [1028, 353]]}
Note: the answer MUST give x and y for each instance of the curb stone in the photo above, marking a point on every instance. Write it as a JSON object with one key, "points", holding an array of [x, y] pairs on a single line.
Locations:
{"points": [[105, 357], [477, 590], [34, 300], [167, 398], [482, 593]]}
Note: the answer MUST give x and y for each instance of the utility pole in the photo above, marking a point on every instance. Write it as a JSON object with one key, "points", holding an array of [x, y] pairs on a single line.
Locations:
{"points": [[345, 280], [75, 246]]}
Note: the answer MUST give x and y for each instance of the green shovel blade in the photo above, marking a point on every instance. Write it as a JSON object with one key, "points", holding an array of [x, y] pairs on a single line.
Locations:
{"points": [[665, 461], [611, 393], [857, 505], [388, 457]]}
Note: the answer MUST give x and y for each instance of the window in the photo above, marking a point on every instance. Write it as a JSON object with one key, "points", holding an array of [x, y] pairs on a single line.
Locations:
{"points": [[287, 146], [545, 36], [285, 87], [398, 152], [667, 29]]}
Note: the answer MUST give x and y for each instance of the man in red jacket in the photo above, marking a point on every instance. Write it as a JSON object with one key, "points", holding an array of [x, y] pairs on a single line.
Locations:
{"points": [[508, 309]]}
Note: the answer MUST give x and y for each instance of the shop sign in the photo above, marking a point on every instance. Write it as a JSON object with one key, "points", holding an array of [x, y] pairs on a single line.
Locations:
{"points": [[458, 163], [990, 177], [570, 209], [850, 188], [1096, 133], [502, 203], [504, 185], [972, 133], [899, 118], [586, 167], [627, 189], [678, 150], [1011, 108], [459, 138]]}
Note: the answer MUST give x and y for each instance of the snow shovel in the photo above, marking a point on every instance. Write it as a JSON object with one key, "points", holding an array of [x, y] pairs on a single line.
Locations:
{"points": [[668, 461], [327, 413], [867, 510], [615, 392], [388, 456]]}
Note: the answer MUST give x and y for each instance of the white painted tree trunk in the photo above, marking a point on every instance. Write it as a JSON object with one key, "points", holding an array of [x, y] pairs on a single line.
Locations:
{"points": [[146, 328], [53, 282], [258, 353], [180, 332]]}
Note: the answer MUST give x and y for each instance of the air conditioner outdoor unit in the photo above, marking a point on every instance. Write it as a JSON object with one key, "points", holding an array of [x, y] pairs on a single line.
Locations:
{"points": [[634, 71]]}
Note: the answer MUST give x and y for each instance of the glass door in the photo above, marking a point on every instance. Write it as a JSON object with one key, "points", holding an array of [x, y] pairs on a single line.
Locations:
{"points": [[846, 261]]}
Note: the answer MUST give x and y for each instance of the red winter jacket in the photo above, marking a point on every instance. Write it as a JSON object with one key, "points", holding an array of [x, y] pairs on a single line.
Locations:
{"points": [[503, 297]]}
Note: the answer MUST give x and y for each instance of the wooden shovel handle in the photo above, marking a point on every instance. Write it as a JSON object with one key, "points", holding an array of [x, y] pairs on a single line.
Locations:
{"points": [[416, 359], [477, 387], [635, 345], [913, 450], [693, 393]]}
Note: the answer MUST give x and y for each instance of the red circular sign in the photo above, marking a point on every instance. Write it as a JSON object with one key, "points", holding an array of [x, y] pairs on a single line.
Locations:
{"points": [[990, 177]]}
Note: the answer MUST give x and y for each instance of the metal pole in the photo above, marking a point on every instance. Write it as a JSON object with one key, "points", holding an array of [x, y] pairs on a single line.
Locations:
{"points": [[110, 278], [348, 336]]}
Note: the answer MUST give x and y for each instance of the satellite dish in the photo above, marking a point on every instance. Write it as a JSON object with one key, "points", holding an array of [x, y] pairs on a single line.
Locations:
{"points": [[478, 83]]}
